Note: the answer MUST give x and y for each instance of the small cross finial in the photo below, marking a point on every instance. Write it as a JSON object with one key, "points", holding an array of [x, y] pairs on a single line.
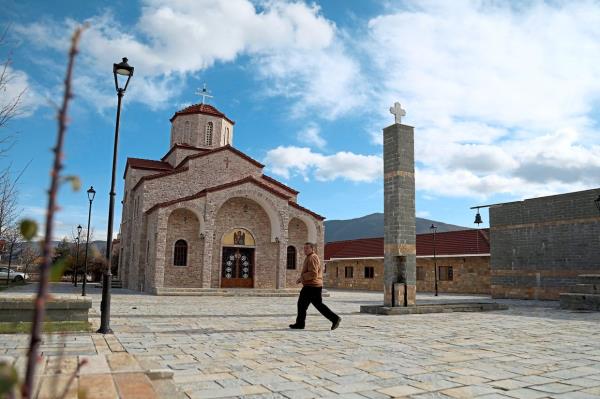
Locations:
{"points": [[204, 93], [397, 111]]}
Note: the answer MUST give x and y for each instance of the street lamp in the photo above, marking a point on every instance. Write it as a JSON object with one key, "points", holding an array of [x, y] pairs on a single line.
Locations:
{"points": [[597, 202], [79, 228], [433, 229], [91, 194], [122, 69]]}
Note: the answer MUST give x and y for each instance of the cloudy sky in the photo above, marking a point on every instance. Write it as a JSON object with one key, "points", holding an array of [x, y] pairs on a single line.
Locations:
{"points": [[504, 97]]}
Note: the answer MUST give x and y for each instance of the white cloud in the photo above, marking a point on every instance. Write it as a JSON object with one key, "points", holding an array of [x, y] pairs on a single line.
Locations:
{"points": [[65, 222], [291, 44], [423, 214], [502, 96], [287, 161], [17, 83], [311, 135]]}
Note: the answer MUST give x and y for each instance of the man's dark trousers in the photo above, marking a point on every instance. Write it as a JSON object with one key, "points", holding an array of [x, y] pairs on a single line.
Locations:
{"points": [[312, 295]]}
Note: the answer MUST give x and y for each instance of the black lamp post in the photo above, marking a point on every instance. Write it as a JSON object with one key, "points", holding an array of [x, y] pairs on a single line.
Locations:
{"points": [[125, 70], [12, 244], [597, 202], [91, 194], [433, 229], [79, 228]]}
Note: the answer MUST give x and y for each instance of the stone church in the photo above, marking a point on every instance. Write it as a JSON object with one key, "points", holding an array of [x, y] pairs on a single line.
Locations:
{"points": [[205, 216]]}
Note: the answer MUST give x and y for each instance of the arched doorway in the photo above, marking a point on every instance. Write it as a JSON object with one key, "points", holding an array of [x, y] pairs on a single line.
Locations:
{"points": [[238, 259]]}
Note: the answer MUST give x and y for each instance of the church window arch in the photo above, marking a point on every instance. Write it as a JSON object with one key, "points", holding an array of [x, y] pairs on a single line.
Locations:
{"points": [[291, 257], [180, 253], [209, 133], [227, 136], [187, 132]]}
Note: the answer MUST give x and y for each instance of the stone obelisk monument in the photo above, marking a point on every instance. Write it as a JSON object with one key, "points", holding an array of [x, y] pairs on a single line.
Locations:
{"points": [[399, 212]]}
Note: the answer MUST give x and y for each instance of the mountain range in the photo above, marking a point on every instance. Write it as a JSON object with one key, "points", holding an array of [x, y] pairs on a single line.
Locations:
{"points": [[370, 226]]}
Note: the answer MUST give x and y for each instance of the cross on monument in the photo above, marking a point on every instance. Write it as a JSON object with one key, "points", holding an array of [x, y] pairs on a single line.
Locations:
{"points": [[204, 93], [397, 111]]}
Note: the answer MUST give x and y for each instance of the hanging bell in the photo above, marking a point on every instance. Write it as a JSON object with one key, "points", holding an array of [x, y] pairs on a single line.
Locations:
{"points": [[478, 220]]}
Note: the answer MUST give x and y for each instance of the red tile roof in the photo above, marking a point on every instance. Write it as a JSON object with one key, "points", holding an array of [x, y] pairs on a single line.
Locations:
{"points": [[201, 109], [147, 164], [462, 242]]}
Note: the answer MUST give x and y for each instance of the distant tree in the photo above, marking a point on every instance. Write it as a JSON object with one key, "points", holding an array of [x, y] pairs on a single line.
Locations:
{"points": [[10, 107], [63, 254], [29, 256], [11, 236]]}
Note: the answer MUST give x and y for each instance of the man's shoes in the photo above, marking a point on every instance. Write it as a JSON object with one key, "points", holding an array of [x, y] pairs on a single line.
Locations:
{"points": [[296, 327], [335, 323]]}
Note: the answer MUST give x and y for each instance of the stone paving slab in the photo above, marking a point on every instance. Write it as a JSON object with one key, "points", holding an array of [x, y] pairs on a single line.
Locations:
{"points": [[241, 347]]}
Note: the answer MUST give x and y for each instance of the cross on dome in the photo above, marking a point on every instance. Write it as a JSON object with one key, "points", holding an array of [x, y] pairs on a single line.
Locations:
{"points": [[204, 93], [397, 111]]}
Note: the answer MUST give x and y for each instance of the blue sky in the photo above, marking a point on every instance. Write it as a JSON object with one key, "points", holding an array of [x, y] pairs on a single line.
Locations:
{"points": [[503, 97]]}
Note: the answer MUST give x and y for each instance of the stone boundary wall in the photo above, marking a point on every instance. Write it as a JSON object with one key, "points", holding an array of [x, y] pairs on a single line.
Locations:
{"points": [[57, 309], [540, 245]]}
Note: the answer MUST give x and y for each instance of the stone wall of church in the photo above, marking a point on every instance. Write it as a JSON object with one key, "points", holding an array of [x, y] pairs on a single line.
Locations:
{"points": [[179, 154], [132, 206], [297, 236], [184, 225], [206, 171], [197, 131], [247, 214], [279, 189]]}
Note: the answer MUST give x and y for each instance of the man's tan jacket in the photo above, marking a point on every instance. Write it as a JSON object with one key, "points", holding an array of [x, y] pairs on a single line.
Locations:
{"points": [[312, 272]]}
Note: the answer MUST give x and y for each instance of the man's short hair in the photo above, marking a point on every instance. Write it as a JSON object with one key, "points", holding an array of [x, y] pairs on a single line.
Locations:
{"points": [[312, 245]]}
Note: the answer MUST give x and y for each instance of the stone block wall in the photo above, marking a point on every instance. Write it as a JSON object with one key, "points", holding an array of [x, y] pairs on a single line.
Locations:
{"points": [[184, 225], [197, 134], [297, 236], [471, 275], [336, 277], [540, 245]]}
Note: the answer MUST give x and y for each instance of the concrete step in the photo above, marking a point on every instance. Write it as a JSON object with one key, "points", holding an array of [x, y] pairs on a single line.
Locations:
{"points": [[586, 289], [578, 301], [433, 308], [591, 278], [114, 284]]}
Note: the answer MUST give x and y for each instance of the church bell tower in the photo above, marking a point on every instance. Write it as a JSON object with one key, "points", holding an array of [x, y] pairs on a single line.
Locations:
{"points": [[201, 125]]}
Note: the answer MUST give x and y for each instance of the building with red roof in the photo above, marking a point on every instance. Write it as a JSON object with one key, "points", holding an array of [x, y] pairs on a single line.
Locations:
{"points": [[206, 216], [462, 258]]}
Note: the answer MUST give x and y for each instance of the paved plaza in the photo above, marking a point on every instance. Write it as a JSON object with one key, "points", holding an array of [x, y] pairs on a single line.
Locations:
{"points": [[221, 347]]}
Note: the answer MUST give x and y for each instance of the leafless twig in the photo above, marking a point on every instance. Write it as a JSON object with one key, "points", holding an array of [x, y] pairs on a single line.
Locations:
{"points": [[40, 301]]}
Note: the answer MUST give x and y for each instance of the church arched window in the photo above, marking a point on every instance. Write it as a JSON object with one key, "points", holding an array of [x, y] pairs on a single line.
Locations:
{"points": [[180, 253], [227, 136], [291, 257], [187, 132], [209, 133]]}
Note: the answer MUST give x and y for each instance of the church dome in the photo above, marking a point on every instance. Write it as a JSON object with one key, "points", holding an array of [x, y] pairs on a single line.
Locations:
{"points": [[204, 109]]}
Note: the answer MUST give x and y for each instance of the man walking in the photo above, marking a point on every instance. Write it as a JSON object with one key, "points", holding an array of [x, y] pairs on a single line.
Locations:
{"points": [[312, 281]]}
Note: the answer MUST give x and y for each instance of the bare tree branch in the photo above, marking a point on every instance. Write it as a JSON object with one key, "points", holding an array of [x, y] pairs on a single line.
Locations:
{"points": [[42, 296]]}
